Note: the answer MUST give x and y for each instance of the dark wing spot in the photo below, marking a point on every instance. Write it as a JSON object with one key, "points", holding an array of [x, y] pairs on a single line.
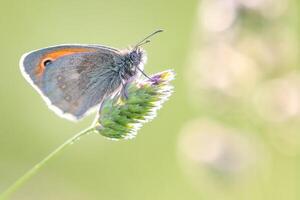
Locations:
{"points": [[47, 62]]}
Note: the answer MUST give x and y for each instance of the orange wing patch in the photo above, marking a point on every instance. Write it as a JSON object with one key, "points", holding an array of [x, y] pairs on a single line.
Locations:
{"points": [[57, 54]]}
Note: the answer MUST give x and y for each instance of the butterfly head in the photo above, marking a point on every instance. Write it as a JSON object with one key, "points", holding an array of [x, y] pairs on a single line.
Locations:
{"points": [[133, 60], [137, 57]]}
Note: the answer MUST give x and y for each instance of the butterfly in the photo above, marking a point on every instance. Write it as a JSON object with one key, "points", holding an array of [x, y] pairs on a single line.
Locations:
{"points": [[74, 79]]}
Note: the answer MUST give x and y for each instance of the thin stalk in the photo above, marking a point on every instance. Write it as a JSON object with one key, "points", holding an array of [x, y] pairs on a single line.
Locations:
{"points": [[18, 183]]}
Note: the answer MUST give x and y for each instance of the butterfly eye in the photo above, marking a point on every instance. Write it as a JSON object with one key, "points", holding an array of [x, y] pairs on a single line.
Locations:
{"points": [[133, 55], [47, 62]]}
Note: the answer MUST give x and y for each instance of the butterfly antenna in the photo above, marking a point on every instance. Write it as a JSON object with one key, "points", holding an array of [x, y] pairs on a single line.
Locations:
{"points": [[142, 43], [144, 73], [145, 40]]}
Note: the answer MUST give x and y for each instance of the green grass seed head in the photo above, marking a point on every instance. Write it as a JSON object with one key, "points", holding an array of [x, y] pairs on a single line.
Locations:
{"points": [[121, 118]]}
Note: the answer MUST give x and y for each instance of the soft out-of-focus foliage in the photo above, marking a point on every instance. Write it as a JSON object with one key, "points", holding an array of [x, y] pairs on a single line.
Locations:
{"points": [[244, 83], [221, 160]]}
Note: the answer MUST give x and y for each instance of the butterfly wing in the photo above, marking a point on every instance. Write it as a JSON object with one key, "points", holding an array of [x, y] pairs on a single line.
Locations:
{"points": [[73, 79]]}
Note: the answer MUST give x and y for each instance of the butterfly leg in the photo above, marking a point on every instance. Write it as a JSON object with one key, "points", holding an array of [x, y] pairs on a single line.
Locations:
{"points": [[124, 91]]}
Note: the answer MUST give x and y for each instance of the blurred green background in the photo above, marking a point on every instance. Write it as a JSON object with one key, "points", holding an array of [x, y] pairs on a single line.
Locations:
{"points": [[231, 130]]}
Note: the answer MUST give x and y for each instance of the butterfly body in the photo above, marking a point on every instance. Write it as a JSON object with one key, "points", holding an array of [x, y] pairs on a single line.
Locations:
{"points": [[75, 79]]}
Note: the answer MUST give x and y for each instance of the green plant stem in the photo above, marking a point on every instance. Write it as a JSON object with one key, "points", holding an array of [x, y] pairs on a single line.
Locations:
{"points": [[18, 183]]}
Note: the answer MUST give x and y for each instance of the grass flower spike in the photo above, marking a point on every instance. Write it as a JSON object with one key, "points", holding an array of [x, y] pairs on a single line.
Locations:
{"points": [[121, 118]]}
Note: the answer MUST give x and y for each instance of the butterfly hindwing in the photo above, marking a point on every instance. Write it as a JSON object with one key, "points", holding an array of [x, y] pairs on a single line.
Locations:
{"points": [[74, 78]]}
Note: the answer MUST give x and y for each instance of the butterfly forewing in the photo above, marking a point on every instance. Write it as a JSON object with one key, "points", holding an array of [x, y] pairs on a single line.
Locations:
{"points": [[74, 79]]}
